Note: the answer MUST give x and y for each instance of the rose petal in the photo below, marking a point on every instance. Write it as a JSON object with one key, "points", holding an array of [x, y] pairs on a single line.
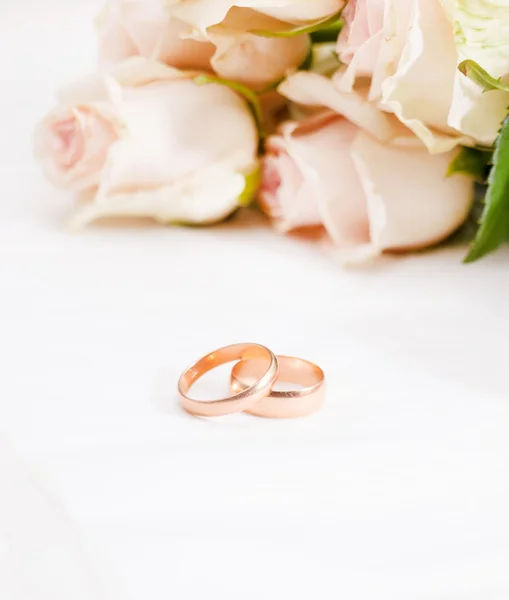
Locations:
{"points": [[202, 198], [414, 205], [204, 13], [361, 63], [254, 60], [331, 182], [176, 128], [476, 113], [411, 94], [143, 27], [315, 90]]}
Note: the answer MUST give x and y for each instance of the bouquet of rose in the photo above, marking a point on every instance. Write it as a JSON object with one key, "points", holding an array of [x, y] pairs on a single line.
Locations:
{"points": [[374, 120]]}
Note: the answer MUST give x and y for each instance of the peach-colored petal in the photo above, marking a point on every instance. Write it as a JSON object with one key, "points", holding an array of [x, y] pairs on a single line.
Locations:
{"points": [[176, 128], [363, 20], [421, 90], [411, 201], [254, 60], [361, 63], [315, 90], [298, 11], [371, 41], [396, 24], [284, 196], [73, 145], [323, 155], [129, 28], [199, 198], [310, 179], [205, 13], [66, 141]]}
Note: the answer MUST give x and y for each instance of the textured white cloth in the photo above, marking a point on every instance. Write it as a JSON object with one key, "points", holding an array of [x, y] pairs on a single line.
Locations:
{"points": [[41, 553], [397, 490]]}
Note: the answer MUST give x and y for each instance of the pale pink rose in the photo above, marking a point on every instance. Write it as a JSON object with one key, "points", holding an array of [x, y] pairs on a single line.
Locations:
{"points": [[371, 192], [144, 28], [146, 140], [300, 175], [409, 50], [72, 145], [129, 28]]}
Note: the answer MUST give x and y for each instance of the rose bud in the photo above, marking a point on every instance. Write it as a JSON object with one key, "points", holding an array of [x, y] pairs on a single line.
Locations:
{"points": [[370, 193], [144, 28], [146, 140]]}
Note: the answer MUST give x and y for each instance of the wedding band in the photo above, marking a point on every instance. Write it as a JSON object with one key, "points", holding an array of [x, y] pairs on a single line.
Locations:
{"points": [[283, 404], [245, 398]]}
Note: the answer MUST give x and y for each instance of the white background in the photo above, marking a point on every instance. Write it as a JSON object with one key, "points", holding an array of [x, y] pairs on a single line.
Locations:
{"points": [[398, 489]]}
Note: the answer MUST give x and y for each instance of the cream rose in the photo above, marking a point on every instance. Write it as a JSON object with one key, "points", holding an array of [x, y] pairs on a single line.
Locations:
{"points": [[370, 195], [143, 27], [146, 140], [411, 49]]}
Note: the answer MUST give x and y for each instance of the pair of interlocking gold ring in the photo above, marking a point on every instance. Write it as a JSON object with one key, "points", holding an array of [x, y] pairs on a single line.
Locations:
{"points": [[251, 383]]}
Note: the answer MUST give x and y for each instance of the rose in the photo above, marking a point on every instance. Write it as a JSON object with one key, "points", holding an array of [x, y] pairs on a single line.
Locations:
{"points": [[73, 145], [142, 27], [411, 49], [410, 54], [369, 195], [129, 28], [146, 140], [481, 34], [204, 13]]}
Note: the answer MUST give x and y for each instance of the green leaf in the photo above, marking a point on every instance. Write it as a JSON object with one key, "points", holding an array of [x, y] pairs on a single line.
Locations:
{"points": [[249, 95], [481, 77], [300, 29], [252, 185], [494, 226], [329, 33], [467, 232], [472, 162]]}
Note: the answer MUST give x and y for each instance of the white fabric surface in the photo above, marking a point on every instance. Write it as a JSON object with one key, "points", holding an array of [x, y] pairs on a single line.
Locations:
{"points": [[397, 490]]}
